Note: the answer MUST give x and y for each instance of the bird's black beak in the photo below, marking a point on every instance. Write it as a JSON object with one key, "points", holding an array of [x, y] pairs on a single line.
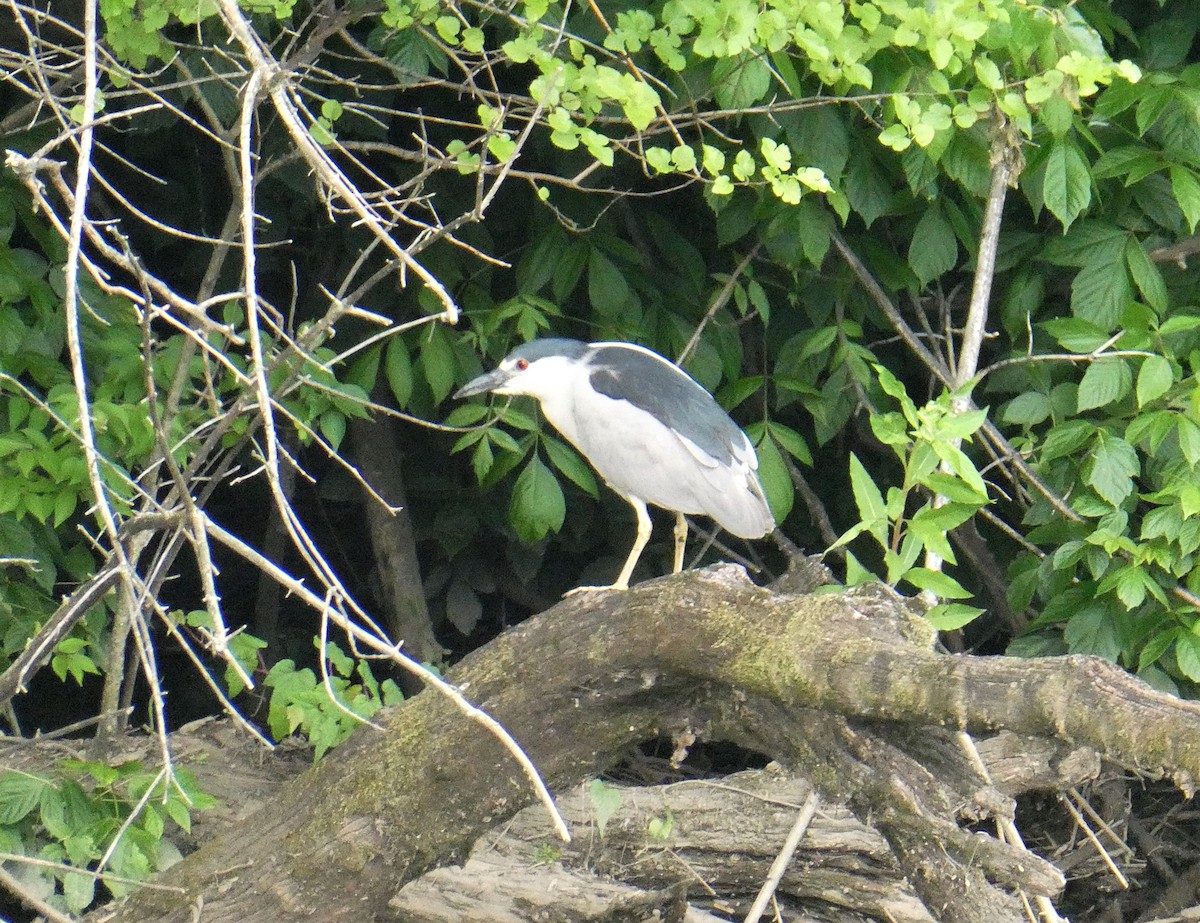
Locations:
{"points": [[486, 382]]}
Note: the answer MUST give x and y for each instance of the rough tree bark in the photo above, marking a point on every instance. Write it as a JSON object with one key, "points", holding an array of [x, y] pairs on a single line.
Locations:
{"points": [[838, 685]]}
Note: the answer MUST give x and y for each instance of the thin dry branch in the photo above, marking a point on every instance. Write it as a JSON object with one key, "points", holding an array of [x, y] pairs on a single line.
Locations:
{"points": [[267, 72]]}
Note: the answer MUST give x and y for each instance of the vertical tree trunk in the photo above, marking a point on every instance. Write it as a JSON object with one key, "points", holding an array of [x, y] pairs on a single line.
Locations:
{"points": [[377, 456]]}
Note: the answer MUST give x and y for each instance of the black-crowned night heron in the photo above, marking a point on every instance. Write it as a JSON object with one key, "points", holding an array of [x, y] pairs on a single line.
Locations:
{"points": [[651, 432]]}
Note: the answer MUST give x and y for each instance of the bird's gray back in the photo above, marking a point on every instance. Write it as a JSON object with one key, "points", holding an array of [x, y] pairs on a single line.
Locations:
{"points": [[663, 390]]}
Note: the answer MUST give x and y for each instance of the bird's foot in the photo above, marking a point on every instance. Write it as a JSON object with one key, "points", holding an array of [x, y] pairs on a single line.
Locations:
{"points": [[595, 589]]}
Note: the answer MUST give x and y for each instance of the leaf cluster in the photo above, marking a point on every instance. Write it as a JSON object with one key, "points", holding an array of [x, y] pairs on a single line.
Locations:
{"points": [[93, 824]]}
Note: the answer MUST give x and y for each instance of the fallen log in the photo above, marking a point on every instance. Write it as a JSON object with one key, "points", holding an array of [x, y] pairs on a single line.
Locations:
{"points": [[841, 687]]}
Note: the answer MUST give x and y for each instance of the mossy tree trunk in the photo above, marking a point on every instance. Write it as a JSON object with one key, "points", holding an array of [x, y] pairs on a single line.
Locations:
{"points": [[845, 686]]}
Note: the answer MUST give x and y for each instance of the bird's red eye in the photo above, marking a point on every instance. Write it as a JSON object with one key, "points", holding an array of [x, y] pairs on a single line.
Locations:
{"points": [[522, 365]]}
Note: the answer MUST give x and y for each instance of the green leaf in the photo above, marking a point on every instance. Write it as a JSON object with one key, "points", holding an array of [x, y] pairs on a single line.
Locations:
{"points": [[791, 442], [78, 891], [953, 488], [608, 291], [937, 582], [1066, 184], [869, 501], [1099, 293], [365, 369], [1146, 276], [1186, 188], [933, 249], [606, 800], [398, 369], [1154, 379], [952, 616], [1189, 439], [1027, 409], [20, 793], [332, 424], [1105, 381], [322, 133], [1065, 438], [1076, 334], [437, 362], [930, 525], [777, 483], [891, 429], [856, 574], [331, 109], [569, 463], [660, 828], [1093, 631], [1179, 323], [1111, 468], [960, 463], [1187, 655], [538, 506], [893, 386], [1156, 647], [740, 81], [53, 812]]}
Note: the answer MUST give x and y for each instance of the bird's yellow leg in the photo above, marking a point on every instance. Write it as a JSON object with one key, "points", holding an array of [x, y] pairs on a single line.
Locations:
{"points": [[639, 543], [680, 540]]}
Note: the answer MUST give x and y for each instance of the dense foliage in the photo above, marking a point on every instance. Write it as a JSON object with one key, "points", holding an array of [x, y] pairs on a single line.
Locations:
{"points": [[286, 200]]}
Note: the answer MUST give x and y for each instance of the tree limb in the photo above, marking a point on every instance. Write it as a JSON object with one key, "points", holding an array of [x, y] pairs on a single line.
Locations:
{"points": [[595, 674]]}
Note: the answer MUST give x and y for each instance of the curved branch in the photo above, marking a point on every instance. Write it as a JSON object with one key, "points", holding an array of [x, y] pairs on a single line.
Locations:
{"points": [[388, 806]]}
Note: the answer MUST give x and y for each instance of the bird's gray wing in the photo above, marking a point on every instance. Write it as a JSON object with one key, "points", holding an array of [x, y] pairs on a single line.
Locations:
{"points": [[664, 391]]}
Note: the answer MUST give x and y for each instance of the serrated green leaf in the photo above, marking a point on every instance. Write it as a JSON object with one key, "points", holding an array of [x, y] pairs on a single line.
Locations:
{"points": [[1187, 655], [1093, 631], [332, 425], [53, 812], [1155, 378], [1065, 438], [1111, 468], [1028, 409], [1066, 183], [20, 793], [1105, 381], [740, 81], [482, 459], [1076, 334], [79, 891], [178, 812], [934, 248], [1146, 276], [1154, 648], [1185, 186], [1099, 293], [1189, 439]]}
